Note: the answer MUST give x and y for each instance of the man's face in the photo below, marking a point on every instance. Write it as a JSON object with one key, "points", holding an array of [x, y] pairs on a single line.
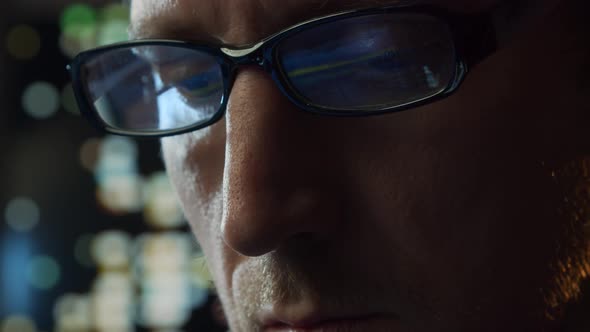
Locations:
{"points": [[442, 218]]}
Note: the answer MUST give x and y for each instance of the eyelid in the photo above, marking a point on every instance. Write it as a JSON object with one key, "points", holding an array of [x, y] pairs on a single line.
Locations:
{"points": [[177, 70], [148, 53]]}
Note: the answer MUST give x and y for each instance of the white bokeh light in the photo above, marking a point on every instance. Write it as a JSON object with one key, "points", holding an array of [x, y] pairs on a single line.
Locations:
{"points": [[22, 214], [41, 100]]}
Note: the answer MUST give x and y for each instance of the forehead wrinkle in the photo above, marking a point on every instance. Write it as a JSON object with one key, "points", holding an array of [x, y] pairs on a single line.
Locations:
{"points": [[242, 22], [245, 22], [166, 19]]}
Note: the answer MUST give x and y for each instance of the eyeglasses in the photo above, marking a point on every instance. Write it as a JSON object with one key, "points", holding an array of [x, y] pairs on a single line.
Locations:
{"points": [[355, 63]]}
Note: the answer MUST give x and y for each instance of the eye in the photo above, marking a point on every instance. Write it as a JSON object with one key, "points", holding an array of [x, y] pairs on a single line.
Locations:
{"points": [[200, 85], [196, 82]]}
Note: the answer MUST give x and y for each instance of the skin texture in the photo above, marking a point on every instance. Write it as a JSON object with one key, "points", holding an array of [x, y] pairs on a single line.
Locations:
{"points": [[448, 217]]}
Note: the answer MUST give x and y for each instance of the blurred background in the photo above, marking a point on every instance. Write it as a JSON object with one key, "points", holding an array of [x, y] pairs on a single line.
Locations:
{"points": [[91, 236]]}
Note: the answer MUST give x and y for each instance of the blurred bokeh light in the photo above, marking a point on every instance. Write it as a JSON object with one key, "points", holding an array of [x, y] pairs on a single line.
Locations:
{"points": [[43, 272], [68, 100], [18, 324], [40, 100], [22, 214], [23, 42], [161, 206], [72, 313], [92, 237]]}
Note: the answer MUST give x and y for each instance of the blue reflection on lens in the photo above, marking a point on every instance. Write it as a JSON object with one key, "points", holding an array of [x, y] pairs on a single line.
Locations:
{"points": [[203, 81], [153, 88], [370, 62]]}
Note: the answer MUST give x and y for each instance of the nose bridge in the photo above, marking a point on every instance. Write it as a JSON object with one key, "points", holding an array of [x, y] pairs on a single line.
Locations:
{"points": [[254, 192], [268, 196], [245, 55]]}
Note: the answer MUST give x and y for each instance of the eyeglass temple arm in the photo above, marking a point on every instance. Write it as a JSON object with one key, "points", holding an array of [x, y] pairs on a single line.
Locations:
{"points": [[475, 37], [481, 35]]}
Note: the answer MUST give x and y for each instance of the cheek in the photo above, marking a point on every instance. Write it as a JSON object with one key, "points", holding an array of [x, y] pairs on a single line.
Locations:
{"points": [[464, 190], [467, 5], [194, 162]]}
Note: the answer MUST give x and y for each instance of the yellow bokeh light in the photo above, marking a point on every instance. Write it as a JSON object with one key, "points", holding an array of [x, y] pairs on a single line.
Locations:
{"points": [[23, 42], [161, 206], [163, 252], [119, 186], [111, 250], [112, 302], [166, 300], [120, 193], [72, 313], [89, 153]]}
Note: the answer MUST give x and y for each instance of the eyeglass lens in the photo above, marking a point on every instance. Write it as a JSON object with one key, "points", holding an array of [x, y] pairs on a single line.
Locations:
{"points": [[369, 63], [154, 88], [366, 63]]}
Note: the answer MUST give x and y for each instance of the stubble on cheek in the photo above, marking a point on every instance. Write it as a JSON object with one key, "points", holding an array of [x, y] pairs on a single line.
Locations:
{"points": [[197, 182], [255, 283]]}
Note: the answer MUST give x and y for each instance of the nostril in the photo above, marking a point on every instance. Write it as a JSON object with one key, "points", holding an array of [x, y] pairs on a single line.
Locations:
{"points": [[257, 222], [248, 238]]}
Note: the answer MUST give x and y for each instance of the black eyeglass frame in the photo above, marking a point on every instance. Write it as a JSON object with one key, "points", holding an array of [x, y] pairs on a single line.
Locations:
{"points": [[473, 36]]}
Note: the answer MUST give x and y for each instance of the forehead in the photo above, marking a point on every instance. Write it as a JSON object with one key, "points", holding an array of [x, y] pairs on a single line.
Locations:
{"points": [[245, 21]]}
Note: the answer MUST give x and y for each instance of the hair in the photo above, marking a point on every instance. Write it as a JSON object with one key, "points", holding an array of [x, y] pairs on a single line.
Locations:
{"points": [[580, 10]]}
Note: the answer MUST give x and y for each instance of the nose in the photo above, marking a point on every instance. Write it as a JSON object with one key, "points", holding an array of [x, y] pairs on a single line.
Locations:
{"points": [[276, 179]]}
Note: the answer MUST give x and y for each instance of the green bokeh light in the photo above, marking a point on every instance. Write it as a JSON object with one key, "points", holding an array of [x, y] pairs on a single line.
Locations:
{"points": [[68, 100], [43, 272], [114, 12], [112, 31], [78, 15]]}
